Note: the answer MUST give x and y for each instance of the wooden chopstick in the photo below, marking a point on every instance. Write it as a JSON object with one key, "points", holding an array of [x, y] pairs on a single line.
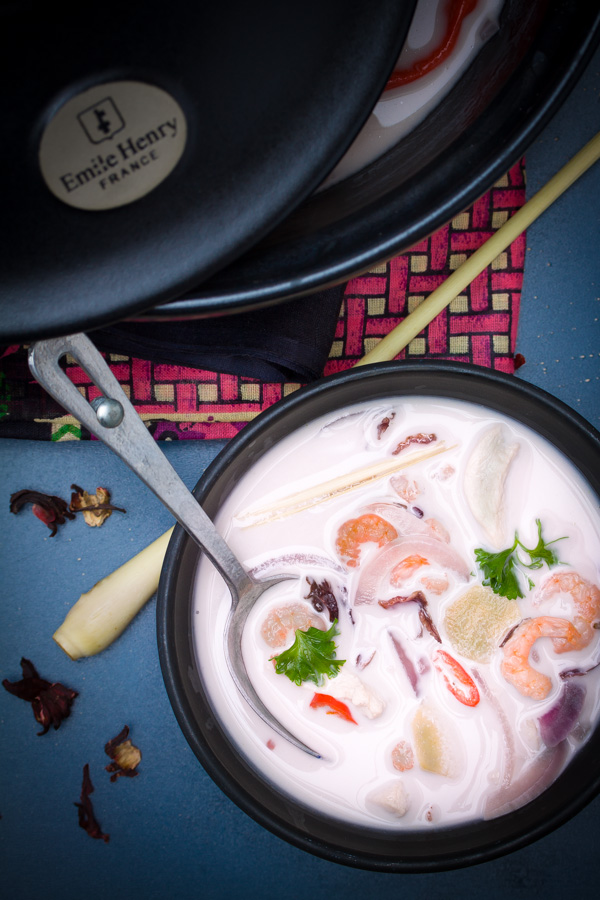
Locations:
{"points": [[391, 345]]}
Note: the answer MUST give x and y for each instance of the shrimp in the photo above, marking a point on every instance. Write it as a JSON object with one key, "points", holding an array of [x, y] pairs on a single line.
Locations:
{"points": [[280, 622], [407, 490], [437, 530], [515, 665], [435, 586], [407, 568], [364, 529], [403, 757], [585, 597]]}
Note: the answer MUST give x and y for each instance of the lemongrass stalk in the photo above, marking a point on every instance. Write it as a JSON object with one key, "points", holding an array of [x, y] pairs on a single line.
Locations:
{"points": [[326, 490], [103, 613], [400, 336]]}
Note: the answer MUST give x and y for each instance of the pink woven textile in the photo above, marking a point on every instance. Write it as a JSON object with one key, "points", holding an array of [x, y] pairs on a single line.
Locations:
{"points": [[479, 326]]}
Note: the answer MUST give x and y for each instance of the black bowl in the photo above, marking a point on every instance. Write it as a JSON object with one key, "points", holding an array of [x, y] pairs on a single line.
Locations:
{"points": [[382, 850], [507, 96]]}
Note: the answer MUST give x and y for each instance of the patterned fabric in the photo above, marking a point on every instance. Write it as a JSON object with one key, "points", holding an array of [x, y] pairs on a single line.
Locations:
{"points": [[178, 402]]}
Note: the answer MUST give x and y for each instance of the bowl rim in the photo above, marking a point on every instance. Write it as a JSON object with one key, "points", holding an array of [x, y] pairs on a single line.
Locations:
{"points": [[387, 850]]}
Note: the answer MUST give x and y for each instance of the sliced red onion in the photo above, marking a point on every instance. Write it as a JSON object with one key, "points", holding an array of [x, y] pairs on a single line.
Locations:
{"points": [[380, 566], [407, 664], [280, 563], [575, 673], [507, 732], [559, 721], [363, 660], [398, 515], [539, 775]]}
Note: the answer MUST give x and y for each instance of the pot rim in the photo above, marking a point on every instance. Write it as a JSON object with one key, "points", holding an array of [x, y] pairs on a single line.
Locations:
{"points": [[281, 269]]}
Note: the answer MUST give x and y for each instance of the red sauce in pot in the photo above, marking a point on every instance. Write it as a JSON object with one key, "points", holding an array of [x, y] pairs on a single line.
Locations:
{"points": [[457, 11]]}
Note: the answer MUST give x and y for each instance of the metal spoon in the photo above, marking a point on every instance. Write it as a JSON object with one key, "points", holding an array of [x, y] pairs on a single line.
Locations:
{"points": [[114, 421]]}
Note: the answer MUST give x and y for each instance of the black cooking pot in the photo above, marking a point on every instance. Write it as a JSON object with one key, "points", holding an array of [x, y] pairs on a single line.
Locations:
{"points": [[143, 152], [485, 124], [370, 848]]}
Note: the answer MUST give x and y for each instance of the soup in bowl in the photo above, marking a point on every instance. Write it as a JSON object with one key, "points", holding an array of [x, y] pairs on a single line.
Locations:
{"points": [[438, 646]]}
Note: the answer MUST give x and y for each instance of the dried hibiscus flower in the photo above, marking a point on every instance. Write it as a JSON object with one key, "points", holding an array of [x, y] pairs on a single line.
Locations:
{"points": [[384, 425], [52, 511], [125, 756], [96, 508], [321, 596], [425, 619], [87, 819], [51, 702], [419, 438]]}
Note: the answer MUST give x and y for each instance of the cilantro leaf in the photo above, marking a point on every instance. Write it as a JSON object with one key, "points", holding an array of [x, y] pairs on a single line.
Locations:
{"points": [[501, 570], [311, 657], [541, 553]]}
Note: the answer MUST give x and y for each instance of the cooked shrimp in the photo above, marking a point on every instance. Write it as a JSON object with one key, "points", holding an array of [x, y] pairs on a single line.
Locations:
{"points": [[435, 586], [403, 757], [362, 530], [585, 597], [407, 568], [515, 665], [437, 530], [407, 490], [282, 621]]}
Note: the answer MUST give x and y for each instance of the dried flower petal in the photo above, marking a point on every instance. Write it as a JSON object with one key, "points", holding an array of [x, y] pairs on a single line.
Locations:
{"points": [[424, 616], [51, 702], [87, 819], [125, 756], [384, 425], [321, 597], [96, 508], [52, 511], [419, 438]]}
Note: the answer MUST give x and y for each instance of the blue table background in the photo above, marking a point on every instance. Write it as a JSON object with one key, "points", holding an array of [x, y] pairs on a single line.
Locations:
{"points": [[172, 831]]}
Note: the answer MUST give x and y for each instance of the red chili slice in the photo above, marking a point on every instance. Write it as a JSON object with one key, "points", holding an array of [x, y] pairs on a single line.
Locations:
{"points": [[336, 707], [457, 11], [457, 680]]}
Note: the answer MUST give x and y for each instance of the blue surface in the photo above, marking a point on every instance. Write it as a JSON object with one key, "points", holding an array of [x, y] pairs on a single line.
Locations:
{"points": [[172, 831]]}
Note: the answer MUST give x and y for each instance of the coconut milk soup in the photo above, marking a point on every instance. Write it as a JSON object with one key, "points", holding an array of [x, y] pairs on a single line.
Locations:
{"points": [[456, 699]]}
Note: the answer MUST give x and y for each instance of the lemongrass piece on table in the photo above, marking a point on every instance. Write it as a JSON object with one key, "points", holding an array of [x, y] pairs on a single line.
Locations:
{"points": [[319, 493], [100, 615], [400, 336]]}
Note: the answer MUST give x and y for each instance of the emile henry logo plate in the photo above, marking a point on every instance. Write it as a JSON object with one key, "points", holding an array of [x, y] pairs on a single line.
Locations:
{"points": [[112, 144]]}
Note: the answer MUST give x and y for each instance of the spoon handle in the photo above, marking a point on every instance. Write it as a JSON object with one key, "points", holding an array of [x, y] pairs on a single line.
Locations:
{"points": [[114, 421]]}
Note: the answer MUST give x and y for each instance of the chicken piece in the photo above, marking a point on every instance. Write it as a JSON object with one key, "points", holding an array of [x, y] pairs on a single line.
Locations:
{"points": [[484, 481], [393, 797], [347, 686]]}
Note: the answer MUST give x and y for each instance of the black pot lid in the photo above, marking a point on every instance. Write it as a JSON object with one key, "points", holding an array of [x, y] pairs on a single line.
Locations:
{"points": [[145, 149]]}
